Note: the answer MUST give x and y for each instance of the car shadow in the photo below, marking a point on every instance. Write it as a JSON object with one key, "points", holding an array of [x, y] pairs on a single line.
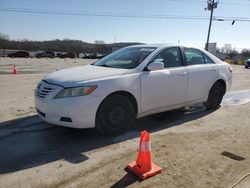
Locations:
{"points": [[29, 142]]}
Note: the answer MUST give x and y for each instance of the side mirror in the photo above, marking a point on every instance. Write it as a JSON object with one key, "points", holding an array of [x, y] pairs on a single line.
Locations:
{"points": [[156, 65]]}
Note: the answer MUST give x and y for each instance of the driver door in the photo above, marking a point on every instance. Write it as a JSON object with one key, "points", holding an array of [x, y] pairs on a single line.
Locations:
{"points": [[166, 87]]}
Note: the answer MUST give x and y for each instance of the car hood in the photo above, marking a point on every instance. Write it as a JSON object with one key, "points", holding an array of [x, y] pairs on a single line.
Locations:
{"points": [[73, 76]]}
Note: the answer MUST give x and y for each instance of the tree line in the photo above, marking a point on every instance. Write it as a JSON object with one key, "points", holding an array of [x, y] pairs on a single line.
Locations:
{"points": [[232, 53], [65, 45], [78, 46]]}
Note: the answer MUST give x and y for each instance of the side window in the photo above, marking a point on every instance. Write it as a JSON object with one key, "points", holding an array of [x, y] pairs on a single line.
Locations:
{"points": [[207, 59], [171, 57], [193, 56]]}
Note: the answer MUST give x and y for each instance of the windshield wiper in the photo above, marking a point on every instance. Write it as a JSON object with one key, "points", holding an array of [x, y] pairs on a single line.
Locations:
{"points": [[104, 65]]}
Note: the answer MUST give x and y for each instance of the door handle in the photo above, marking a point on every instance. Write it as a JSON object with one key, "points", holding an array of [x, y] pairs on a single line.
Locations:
{"points": [[183, 73], [213, 69]]}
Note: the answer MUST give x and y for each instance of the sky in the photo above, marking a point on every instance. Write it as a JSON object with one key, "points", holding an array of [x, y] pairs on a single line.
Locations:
{"points": [[189, 32]]}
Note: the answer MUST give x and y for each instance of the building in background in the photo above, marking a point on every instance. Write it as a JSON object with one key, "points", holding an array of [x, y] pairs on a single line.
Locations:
{"points": [[99, 42], [212, 49]]}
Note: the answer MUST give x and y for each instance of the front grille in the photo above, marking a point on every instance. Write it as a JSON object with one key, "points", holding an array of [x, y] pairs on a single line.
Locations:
{"points": [[44, 90]]}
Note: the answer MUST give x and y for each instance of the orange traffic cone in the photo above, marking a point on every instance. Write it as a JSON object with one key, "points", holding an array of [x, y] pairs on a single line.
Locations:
{"points": [[14, 71], [143, 167]]}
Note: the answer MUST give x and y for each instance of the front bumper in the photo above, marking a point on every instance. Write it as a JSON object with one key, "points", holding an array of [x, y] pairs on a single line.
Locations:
{"points": [[75, 112]]}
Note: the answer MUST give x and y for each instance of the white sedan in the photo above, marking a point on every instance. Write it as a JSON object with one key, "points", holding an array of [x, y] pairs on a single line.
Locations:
{"points": [[130, 83]]}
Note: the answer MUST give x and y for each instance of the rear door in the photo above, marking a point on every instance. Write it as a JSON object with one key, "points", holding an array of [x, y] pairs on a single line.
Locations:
{"points": [[167, 87], [202, 73]]}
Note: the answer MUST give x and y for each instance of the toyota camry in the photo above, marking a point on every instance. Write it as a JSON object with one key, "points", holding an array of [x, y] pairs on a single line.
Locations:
{"points": [[130, 83]]}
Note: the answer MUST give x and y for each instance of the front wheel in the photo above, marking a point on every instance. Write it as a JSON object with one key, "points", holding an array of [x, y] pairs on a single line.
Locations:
{"points": [[215, 96], [246, 67], [115, 114]]}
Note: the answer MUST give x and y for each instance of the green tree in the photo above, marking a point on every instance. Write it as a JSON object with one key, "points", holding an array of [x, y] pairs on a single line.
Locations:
{"points": [[245, 53]]}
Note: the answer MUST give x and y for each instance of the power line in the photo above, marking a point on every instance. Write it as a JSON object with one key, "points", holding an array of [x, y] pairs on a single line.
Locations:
{"points": [[120, 15], [238, 4], [117, 15], [223, 3], [231, 19]]}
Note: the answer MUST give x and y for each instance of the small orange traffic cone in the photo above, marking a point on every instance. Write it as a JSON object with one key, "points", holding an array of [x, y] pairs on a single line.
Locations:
{"points": [[143, 167], [14, 71]]}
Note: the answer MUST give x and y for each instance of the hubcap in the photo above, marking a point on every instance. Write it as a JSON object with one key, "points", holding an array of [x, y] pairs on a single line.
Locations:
{"points": [[117, 115]]}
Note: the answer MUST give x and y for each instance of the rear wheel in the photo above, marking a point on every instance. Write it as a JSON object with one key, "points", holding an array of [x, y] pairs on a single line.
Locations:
{"points": [[115, 114], [246, 66], [215, 96]]}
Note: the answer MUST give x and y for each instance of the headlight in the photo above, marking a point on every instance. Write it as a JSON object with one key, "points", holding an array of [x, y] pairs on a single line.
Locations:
{"points": [[75, 92]]}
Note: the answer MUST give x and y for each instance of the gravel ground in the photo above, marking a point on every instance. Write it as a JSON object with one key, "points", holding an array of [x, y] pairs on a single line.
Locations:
{"points": [[196, 148]]}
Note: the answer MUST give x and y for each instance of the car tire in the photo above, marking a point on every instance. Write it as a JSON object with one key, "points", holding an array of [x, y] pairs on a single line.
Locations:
{"points": [[115, 114], [246, 67], [215, 96]]}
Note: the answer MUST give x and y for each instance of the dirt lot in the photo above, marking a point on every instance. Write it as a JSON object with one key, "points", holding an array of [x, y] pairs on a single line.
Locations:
{"points": [[190, 145]]}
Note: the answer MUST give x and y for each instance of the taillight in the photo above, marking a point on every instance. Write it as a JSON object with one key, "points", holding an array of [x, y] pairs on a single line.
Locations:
{"points": [[230, 69]]}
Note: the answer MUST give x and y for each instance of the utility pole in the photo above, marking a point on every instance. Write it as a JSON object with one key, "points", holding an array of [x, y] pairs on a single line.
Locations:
{"points": [[211, 5]]}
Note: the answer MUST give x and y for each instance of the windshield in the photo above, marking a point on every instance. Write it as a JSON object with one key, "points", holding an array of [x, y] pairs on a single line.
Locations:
{"points": [[126, 58]]}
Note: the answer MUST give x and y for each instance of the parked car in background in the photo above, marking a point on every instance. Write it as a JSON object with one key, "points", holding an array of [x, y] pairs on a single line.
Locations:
{"points": [[49, 54], [247, 63], [59, 54], [69, 55], [130, 83], [19, 54], [90, 56], [100, 56]]}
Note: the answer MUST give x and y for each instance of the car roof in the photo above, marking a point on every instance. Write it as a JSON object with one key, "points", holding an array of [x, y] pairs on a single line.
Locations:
{"points": [[153, 45], [22, 51], [165, 46]]}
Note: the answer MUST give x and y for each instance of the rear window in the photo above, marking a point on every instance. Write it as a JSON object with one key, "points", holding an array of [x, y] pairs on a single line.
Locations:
{"points": [[196, 57]]}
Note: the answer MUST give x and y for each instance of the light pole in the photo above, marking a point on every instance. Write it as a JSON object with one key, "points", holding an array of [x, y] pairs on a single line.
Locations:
{"points": [[211, 5]]}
